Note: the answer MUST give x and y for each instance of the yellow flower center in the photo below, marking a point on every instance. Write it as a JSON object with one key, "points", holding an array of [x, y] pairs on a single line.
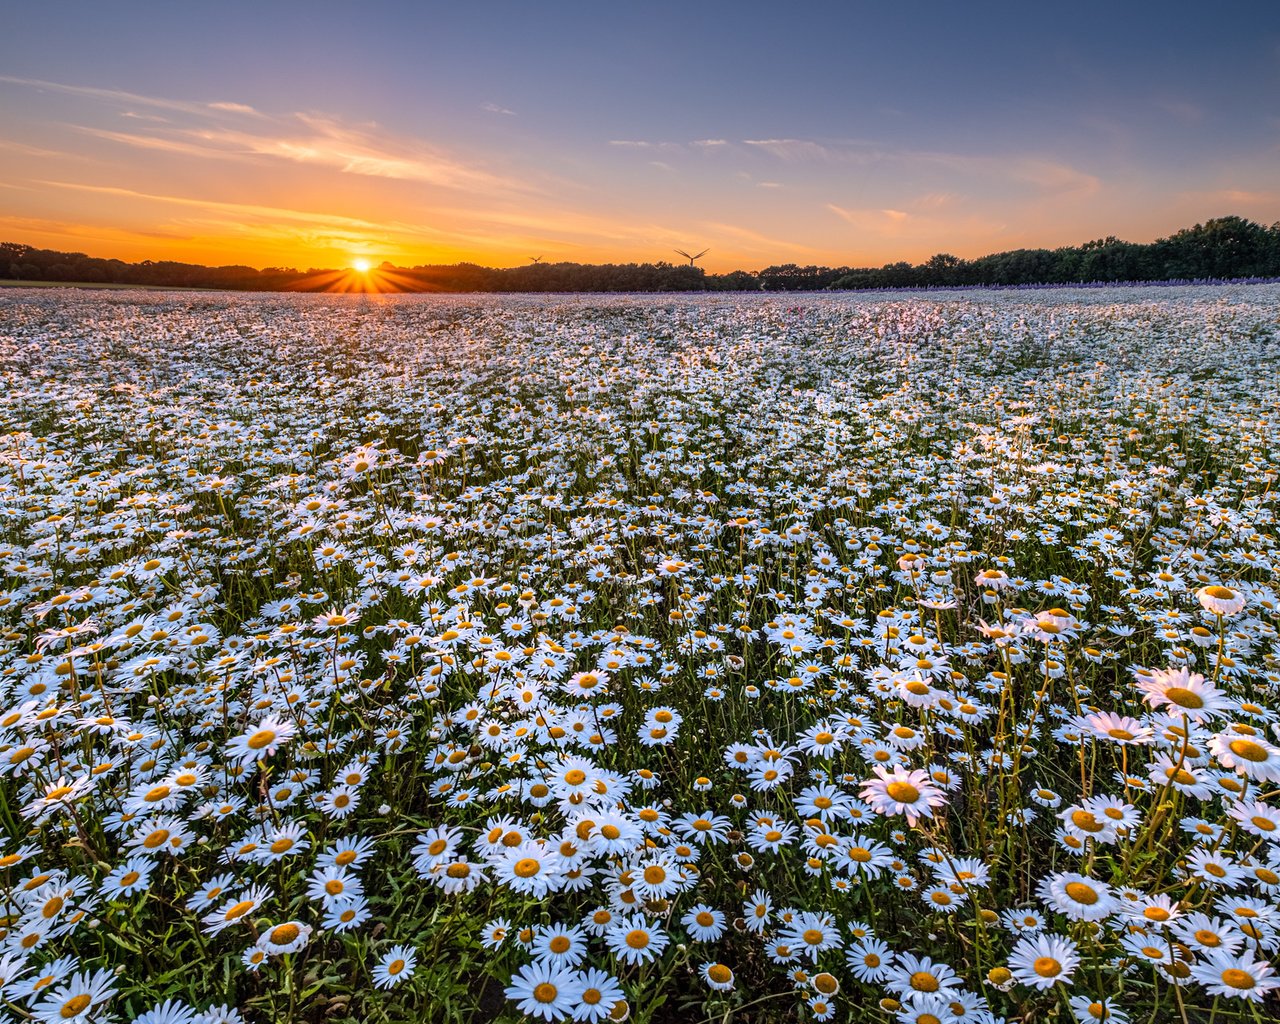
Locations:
{"points": [[1082, 893], [637, 938], [720, 974], [1249, 750], [261, 738], [903, 792]]}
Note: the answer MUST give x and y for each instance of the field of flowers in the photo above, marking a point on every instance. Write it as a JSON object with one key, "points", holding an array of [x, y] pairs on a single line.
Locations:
{"points": [[665, 659]]}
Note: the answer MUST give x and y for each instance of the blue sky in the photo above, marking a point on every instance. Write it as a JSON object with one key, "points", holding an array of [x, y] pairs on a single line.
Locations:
{"points": [[308, 134]]}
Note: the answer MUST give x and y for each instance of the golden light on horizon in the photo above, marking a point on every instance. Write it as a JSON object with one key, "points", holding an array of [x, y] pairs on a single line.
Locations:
{"points": [[361, 265]]}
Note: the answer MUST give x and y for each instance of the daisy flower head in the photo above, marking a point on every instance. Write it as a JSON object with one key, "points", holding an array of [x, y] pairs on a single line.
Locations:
{"points": [[812, 933], [633, 940], [599, 996], [1213, 869], [79, 998], [926, 1007], [1044, 959], [329, 884], [1257, 818], [260, 741], [530, 868], [870, 960], [1245, 751], [1224, 602], [1235, 975], [495, 933], [171, 1011], [704, 828], [902, 791], [1119, 729], [1203, 933], [756, 910], [563, 944], [704, 923], [547, 990], [346, 913], [657, 877], [1088, 1010], [396, 965], [1159, 909], [133, 876], [1077, 896], [235, 911], [1179, 691], [911, 974], [288, 937], [223, 1014], [717, 976]]}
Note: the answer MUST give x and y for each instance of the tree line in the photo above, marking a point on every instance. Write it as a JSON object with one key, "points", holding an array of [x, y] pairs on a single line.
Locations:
{"points": [[1223, 248]]}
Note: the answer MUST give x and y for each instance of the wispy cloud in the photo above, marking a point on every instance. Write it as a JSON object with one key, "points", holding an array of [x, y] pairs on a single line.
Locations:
{"points": [[1240, 196], [119, 97], [235, 108], [753, 240], [1044, 173], [242, 209], [791, 149], [1054, 176], [936, 200], [14, 146], [643, 144], [226, 130], [494, 108], [919, 226], [565, 224], [309, 226], [156, 142], [328, 142]]}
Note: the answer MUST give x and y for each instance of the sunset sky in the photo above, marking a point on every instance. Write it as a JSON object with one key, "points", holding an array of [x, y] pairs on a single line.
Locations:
{"points": [[311, 135]]}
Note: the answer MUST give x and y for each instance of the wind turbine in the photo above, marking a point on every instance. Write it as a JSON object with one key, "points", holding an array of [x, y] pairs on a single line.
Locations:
{"points": [[692, 257]]}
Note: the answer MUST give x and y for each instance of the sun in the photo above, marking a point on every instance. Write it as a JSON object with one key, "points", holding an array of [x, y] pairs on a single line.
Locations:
{"points": [[361, 265]]}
